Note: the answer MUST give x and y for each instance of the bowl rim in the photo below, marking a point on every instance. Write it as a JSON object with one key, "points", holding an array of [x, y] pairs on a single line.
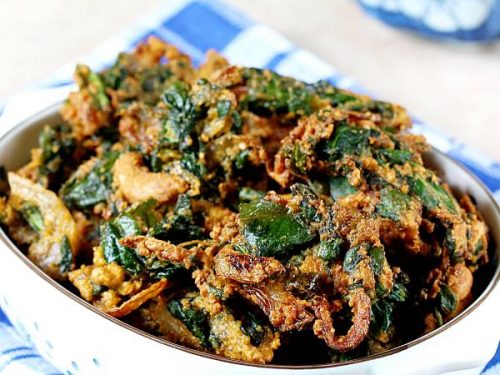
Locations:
{"points": [[54, 110]]}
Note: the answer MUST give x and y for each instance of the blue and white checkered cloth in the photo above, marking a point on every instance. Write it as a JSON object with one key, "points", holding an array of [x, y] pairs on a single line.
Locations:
{"points": [[196, 26]]}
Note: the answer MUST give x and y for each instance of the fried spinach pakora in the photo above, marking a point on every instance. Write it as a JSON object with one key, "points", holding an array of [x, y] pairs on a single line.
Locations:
{"points": [[244, 213]]}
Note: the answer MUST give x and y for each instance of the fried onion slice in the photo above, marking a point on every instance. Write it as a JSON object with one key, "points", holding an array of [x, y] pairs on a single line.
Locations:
{"points": [[163, 250], [285, 311], [361, 310], [245, 268], [138, 299]]}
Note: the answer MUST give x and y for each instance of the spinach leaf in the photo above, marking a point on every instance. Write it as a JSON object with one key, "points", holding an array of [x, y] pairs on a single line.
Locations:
{"points": [[194, 320], [377, 259], [340, 187], [432, 195], [336, 97], [114, 251], [95, 187], [223, 107], [447, 300], [253, 326], [66, 256], [399, 292], [115, 76], [392, 204], [57, 146], [33, 216], [352, 258], [158, 269], [181, 226], [98, 92], [153, 80], [350, 101], [386, 155], [348, 140], [382, 316], [241, 159], [298, 159], [133, 221], [192, 164], [270, 230], [237, 122], [451, 243], [270, 94], [329, 250], [479, 246], [177, 128], [181, 115]]}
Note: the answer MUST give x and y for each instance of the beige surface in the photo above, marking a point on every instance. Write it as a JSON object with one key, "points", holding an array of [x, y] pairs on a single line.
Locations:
{"points": [[454, 87]]}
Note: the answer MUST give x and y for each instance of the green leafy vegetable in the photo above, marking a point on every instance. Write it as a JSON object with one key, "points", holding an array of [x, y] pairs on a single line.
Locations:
{"points": [[447, 300], [95, 187], [348, 140], [270, 230], [399, 292], [340, 187], [33, 216], [134, 221], [57, 146], [350, 101], [66, 256], [271, 94], [329, 250], [241, 159], [352, 258], [194, 320], [181, 115], [432, 195], [176, 131], [223, 107], [253, 326], [99, 90], [393, 156], [377, 258], [114, 251], [382, 315], [393, 203], [181, 226]]}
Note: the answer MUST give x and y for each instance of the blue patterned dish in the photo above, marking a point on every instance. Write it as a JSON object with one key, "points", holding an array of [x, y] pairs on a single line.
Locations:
{"points": [[472, 20]]}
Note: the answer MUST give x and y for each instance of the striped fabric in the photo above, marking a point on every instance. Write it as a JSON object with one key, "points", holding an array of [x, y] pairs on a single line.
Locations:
{"points": [[196, 26]]}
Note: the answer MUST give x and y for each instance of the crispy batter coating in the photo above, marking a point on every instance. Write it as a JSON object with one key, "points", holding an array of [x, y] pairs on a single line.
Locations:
{"points": [[243, 213], [323, 326], [244, 268], [137, 184]]}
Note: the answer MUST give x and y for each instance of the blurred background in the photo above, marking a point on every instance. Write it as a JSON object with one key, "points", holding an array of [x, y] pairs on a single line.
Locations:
{"points": [[453, 86]]}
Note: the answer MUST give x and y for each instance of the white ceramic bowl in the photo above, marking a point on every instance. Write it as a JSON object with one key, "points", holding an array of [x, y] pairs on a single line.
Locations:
{"points": [[79, 339]]}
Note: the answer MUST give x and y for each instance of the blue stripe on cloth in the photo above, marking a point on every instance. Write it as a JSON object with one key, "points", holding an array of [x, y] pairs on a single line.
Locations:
{"points": [[4, 319], [493, 366], [491, 182], [14, 350], [23, 357], [210, 29], [277, 59]]}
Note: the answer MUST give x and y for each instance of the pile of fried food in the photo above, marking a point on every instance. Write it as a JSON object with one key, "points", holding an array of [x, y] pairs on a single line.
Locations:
{"points": [[243, 213]]}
